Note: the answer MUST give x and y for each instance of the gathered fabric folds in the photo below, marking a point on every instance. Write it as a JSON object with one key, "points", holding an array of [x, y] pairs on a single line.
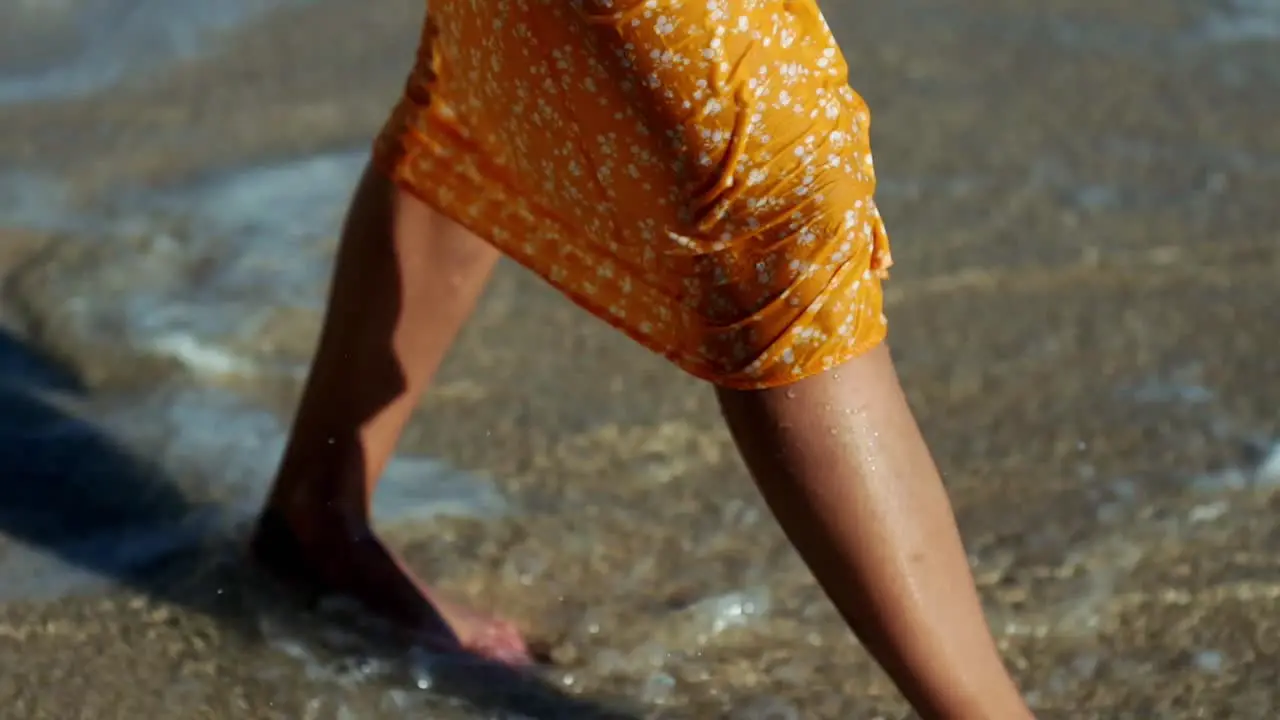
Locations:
{"points": [[697, 173]]}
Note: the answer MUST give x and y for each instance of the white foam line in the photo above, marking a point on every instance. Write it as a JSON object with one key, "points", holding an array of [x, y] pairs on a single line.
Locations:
{"points": [[202, 357], [1268, 472]]}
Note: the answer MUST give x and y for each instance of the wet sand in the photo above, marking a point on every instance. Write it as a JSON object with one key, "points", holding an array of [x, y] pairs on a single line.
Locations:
{"points": [[1084, 308]]}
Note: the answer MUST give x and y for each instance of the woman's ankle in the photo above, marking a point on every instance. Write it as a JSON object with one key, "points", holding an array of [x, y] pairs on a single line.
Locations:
{"points": [[311, 516], [993, 703]]}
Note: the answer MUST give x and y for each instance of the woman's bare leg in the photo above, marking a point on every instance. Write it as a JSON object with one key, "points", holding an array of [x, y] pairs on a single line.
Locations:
{"points": [[841, 462], [405, 281]]}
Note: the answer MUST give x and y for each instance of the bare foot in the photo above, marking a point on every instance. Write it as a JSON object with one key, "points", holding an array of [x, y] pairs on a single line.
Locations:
{"points": [[357, 565]]}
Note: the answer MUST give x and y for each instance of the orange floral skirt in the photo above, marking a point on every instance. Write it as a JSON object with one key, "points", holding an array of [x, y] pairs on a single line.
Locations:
{"points": [[697, 173]]}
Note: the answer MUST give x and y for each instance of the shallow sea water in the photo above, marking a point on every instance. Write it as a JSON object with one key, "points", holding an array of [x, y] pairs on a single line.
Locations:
{"points": [[1111, 438]]}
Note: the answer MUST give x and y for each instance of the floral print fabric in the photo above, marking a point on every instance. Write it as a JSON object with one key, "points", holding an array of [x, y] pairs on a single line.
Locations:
{"points": [[697, 173]]}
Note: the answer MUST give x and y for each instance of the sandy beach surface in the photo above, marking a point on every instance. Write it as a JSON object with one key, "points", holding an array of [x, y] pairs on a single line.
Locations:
{"points": [[1082, 199]]}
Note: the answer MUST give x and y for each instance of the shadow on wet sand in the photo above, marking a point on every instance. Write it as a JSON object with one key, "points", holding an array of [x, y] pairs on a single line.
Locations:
{"points": [[70, 494]]}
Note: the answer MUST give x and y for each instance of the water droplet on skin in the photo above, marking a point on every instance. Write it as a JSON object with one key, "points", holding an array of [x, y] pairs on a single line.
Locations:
{"points": [[790, 394]]}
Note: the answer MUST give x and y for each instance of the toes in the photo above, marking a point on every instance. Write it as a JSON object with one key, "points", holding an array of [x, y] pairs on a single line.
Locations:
{"points": [[500, 641], [506, 654], [368, 572]]}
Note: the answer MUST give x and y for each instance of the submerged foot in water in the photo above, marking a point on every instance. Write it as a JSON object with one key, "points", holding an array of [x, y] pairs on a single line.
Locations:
{"points": [[355, 564]]}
